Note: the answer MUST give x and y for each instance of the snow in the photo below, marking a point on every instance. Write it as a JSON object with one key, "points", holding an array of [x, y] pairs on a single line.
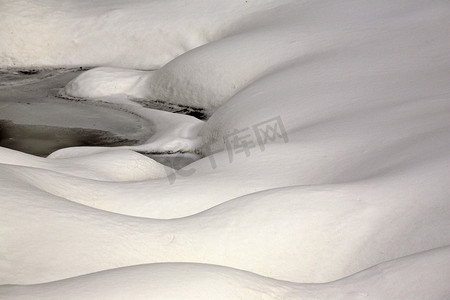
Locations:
{"points": [[357, 178], [73, 34], [412, 277], [254, 232]]}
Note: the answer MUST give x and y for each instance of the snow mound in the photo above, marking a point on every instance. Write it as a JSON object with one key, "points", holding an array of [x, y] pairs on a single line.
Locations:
{"points": [[104, 164], [63, 33], [290, 233], [327, 57], [420, 276], [103, 82], [326, 150]]}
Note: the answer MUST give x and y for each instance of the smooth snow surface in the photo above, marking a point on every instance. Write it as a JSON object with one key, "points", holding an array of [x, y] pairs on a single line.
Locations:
{"points": [[138, 34], [326, 152], [200, 281]]}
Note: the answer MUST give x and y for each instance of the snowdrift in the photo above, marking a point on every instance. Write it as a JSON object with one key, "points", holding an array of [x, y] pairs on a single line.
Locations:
{"points": [[325, 152], [412, 277]]}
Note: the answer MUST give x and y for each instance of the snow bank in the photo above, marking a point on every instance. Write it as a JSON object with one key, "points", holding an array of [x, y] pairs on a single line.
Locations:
{"points": [[344, 107], [305, 234], [332, 45], [64, 33], [420, 276], [103, 165]]}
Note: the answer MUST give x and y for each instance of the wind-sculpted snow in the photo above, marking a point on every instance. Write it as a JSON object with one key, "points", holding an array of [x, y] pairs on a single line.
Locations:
{"points": [[335, 47], [200, 281], [296, 233], [326, 152], [137, 34]]}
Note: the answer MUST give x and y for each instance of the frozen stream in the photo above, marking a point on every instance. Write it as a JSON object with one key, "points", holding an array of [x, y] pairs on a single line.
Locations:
{"points": [[314, 135], [35, 121]]}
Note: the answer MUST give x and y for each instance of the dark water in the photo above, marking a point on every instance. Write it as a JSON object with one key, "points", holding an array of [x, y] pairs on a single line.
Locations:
{"points": [[31, 97], [198, 113], [174, 160], [42, 140], [17, 77]]}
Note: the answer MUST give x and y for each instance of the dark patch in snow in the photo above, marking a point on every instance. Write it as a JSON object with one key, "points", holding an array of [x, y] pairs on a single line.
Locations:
{"points": [[29, 72], [16, 77], [42, 140], [173, 160], [198, 113]]}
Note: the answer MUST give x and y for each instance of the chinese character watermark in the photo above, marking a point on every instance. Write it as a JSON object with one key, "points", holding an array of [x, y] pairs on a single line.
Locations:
{"points": [[270, 130], [174, 171], [239, 141]]}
